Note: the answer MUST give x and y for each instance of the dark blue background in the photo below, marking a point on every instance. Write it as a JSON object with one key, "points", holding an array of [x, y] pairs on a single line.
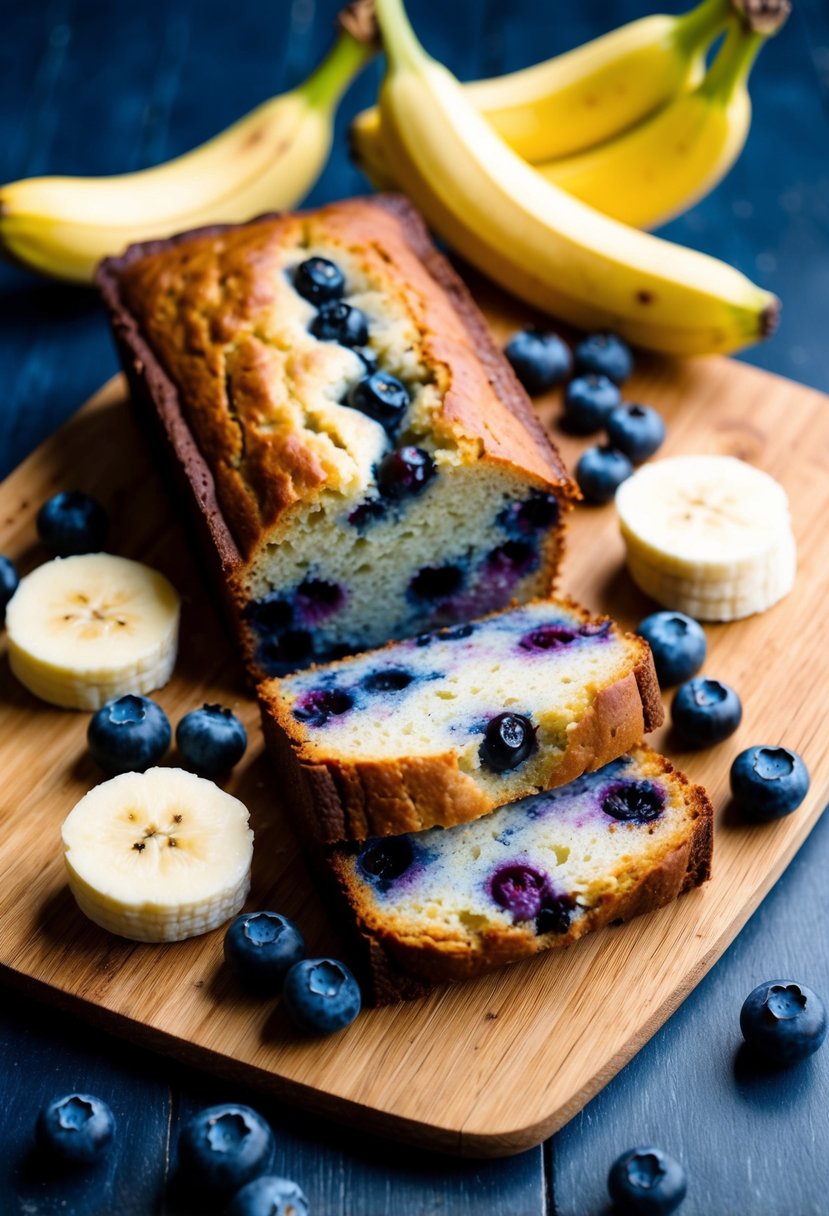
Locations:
{"points": [[100, 86]]}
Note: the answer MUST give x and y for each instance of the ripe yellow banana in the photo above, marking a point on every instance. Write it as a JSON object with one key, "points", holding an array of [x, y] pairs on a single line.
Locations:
{"points": [[587, 95], [671, 160], [266, 161], [538, 242]]}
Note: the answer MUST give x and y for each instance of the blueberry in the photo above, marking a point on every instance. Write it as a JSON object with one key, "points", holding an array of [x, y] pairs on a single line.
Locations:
{"points": [[223, 1147], [634, 801], [513, 557], [71, 522], [535, 514], [9, 580], [340, 322], [381, 397], [211, 740], [317, 599], [129, 734], [605, 355], [508, 741], [317, 706], [319, 280], [548, 637], [76, 1128], [387, 858], [269, 1196], [436, 582], [769, 782], [269, 614], [588, 401], [394, 679], [600, 471], [540, 360], [260, 947], [519, 888], [555, 914], [705, 711], [636, 430], [677, 643], [783, 1021], [454, 633], [647, 1181], [285, 652], [367, 513], [405, 472], [321, 995]]}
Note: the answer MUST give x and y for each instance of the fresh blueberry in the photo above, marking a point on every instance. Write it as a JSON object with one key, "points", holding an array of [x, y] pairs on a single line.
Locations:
{"points": [[71, 522], [129, 734], [211, 740], [588, 402], [76, 1128], [317, 706], [9, 580], [337, 321], [405, 472], [508, 740], [605, 355], [634, 801], [600, 471], [436, 582], [783, 1021], [318, 280], [394, 679], [540, 360], [321, 995], [520, 889], [381, 397], [223, 1147], [269, 1196], [705, 711], [647, 1181], [387, 858], [677, 644], [769, 782], [260, 947], [636, 430]]}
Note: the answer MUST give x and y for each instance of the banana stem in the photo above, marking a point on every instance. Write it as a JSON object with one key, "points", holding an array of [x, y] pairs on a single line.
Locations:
{"points": [[399, 39], [735, 58], [696, 29], [327, 83]]}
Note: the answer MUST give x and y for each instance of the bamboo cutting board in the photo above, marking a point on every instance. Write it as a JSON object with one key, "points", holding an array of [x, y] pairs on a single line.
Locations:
{"points": [[492, 1066]]}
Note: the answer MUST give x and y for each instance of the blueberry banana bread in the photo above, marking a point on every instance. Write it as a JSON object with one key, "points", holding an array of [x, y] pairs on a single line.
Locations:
{"points": [[363, 463], [445, 905], [445, 727]]}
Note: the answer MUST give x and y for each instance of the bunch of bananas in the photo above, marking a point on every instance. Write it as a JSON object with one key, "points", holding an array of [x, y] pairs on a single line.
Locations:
{"points": [[540, 178]]}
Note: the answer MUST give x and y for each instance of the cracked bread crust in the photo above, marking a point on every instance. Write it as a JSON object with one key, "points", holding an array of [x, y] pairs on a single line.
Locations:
{"points": [[396, 964], [193, 318], [337, 797]]}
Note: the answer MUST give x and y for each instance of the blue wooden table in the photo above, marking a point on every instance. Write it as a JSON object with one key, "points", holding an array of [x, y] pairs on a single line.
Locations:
{"points": [[97, 86]]}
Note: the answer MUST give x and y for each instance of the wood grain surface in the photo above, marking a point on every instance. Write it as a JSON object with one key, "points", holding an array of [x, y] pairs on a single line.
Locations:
{"points": [[488, 1067]]}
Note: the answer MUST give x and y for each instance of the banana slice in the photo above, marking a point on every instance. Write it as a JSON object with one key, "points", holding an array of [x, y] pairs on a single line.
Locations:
{"points": [[82, 630], [708, 535], [158, 856]]}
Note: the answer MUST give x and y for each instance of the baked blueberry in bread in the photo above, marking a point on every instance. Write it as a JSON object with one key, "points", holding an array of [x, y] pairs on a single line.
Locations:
{"points": [[363, 462], [447, 904], [444, 727]]}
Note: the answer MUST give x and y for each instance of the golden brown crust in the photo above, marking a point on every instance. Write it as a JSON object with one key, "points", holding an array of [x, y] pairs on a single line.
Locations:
{"points": [[344, 799], [197, 305], [397, 966]]}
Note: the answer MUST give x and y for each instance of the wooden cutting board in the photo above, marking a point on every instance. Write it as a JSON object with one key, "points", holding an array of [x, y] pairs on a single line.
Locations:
{"points": [[492, 1066]]}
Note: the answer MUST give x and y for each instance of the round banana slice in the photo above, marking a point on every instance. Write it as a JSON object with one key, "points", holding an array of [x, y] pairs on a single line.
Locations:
{"points": [[708, 535], [158, 856], [85, 629]]}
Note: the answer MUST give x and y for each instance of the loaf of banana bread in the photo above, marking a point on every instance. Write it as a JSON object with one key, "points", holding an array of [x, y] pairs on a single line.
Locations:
{"points": [[362, 462]]}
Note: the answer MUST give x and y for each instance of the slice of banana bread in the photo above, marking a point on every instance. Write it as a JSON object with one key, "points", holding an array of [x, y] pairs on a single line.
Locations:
{"points": [[443, 728], [445, 905], [364, 463]]}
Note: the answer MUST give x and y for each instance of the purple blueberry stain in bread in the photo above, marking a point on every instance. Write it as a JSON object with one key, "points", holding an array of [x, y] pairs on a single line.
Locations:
{"points": [[520, 888], [595, 629], [548, 637], [321, 704], [316, 600], [512, 560], [509, 739], [633, 801]]}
